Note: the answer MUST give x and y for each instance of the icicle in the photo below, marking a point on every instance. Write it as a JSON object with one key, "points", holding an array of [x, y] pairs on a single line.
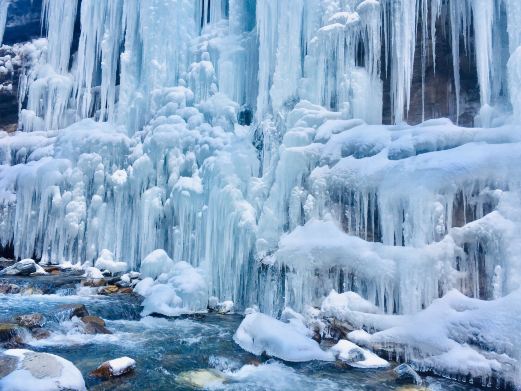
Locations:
{"points": [[4, 6], [59, 17], [483, 19]]}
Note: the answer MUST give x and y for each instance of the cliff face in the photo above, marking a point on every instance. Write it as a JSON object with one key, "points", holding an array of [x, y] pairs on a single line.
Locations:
{"points": [[23, 24]]}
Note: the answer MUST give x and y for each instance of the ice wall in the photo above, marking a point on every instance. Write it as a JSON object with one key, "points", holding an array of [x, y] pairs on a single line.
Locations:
{"points": [[246, 138]]}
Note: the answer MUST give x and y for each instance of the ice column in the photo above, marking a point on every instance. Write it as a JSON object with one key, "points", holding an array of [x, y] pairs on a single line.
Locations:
{"points": [[4, 5]]}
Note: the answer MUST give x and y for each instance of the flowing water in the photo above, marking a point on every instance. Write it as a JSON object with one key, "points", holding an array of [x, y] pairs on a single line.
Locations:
{"points": [[166, 349]]}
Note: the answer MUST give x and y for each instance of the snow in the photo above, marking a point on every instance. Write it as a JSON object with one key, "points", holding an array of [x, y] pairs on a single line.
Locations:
{"points": [[121, 365], [57, 373], [106, 262], [259, 333], [343, 348], [131, 154], [171, 288]]}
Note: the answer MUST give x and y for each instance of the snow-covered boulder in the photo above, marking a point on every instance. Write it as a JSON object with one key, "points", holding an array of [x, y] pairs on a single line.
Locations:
{"points": [[224, 307], [25, 267], [106, 262], [259, 333], [24, 370]]}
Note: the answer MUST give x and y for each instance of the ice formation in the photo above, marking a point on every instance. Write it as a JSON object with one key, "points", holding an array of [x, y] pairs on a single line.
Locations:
{"points": [[265, 149]]}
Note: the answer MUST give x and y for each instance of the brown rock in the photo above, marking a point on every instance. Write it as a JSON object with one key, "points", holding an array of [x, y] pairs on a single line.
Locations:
{"points": [[113, 368], [95, 328], [94, 282], [93, 319], [30, 321], [109, 290], [39, 333], [126, 290], [8, 331], [78, 310]]}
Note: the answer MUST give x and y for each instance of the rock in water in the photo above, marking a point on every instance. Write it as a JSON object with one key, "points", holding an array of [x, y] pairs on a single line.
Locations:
{"points": [[30, 321], [407, 375], [28, 370], [94, 325], [200, 379], [113, 368], [8, 331], [23, 268], [78, 310]]}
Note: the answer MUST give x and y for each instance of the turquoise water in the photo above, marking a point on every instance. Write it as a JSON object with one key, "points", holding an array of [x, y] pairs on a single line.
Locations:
{"points": [[164, 349]]}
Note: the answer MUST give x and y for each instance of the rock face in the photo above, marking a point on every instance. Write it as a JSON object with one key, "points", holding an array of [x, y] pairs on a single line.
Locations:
{"points": [[22, 370], [114, 368], [8, 331]]}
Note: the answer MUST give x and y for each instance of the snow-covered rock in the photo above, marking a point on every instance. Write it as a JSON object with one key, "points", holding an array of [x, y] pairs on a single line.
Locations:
{"points": [[357, 357], [155, 264], [25, 267], [106, 262], [114, 368], [40, 372], [259, 333]]}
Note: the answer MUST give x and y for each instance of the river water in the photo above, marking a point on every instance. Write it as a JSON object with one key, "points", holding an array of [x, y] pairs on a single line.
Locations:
{"points": [[166, 350]]}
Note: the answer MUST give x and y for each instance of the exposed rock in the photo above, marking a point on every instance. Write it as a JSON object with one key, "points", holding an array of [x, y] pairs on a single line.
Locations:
{"points": [[407, 375], [95, 328], [28, 291], [95, 283], [113, 368], [108, 290], [126, 290], [93, 319], [40, 333], [23, 268], [35, 371], [8, 331], [30, 321], [78, 310], [9, 288]]}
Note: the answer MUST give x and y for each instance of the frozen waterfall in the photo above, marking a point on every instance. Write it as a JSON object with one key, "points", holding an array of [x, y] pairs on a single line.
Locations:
{"points": [[266, 143]]}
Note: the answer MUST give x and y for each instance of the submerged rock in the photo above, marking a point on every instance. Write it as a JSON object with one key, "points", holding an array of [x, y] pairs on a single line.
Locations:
{"points": [[407, 375], [202, 378], [28, 370], [114, 368]]}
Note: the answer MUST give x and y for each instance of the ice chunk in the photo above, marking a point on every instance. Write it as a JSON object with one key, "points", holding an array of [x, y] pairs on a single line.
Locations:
{"points": [[347, 351], [156, 263], [106, 262]]}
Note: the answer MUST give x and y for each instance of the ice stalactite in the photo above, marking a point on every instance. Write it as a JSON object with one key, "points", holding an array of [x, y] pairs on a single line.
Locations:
{"points": [[4, 5]]}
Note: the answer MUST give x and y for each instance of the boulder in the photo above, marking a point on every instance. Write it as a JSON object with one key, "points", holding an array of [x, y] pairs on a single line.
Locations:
{"points": [[9, 288], [126, 290], [94, 325], [114, 368], [23, 268], [8, 331], [94, 283], [40, 333], [78, 310], [108, 290], [28, 370], [405, 374], [30, 321], [28, 291]]}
